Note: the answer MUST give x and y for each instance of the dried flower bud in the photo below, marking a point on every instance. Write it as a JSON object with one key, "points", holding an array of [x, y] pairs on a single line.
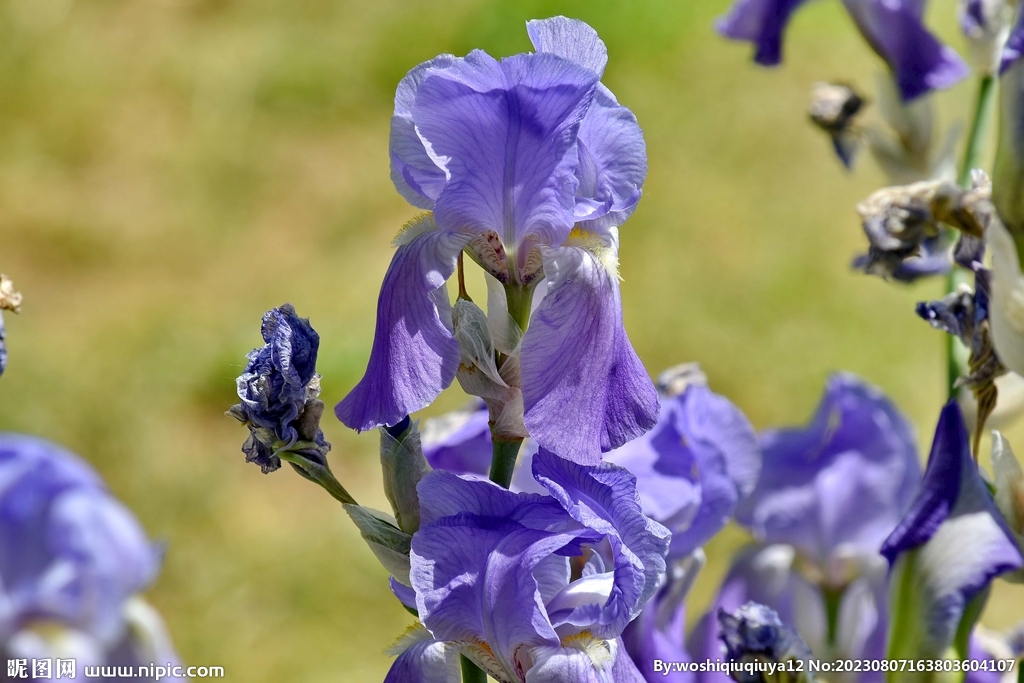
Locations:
{"points": [[900, 220], [834, 108]]}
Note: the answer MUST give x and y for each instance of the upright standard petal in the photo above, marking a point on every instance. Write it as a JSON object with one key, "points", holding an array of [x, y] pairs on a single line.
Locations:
{"points": [[570, 39], [761, 22], [414, 355], [948, 547], [694, 466], [612, 164], [504, 133], [414, 173], [584, 389], [611, 149], [839, 486], [895, 30], [604, 499]]}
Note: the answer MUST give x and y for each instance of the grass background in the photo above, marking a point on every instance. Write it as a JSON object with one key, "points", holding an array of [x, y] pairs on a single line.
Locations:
{"points": [[170, 169]]}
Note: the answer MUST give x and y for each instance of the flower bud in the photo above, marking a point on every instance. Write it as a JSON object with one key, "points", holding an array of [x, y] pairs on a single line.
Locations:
{"points": [[986, 25], [754, 635], [403, 465]]}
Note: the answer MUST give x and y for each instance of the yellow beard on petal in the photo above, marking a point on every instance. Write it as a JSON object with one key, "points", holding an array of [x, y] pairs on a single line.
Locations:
{"points": [[603, 251]]}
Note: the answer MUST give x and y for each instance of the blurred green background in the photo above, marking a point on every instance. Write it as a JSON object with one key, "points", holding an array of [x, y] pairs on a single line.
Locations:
{"points": [[170, 169]]}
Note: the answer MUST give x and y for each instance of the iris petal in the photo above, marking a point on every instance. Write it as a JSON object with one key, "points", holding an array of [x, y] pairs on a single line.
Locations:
{"points": [[584, 389], [505, 134], [414, 355]]}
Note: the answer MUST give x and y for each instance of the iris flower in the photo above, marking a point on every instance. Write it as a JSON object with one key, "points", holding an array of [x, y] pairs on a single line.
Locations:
{"points": [[528, 164], [72, 562], [828, 495], [894, 29], [533, 588], [278, 393]]}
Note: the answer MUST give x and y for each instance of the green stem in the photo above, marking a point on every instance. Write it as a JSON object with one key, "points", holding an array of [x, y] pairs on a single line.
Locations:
{"points": [[979, 128], [320, 474], [520, 303], [503, 460], [505, 450], [833, 598], [471, 673], [956, 353]]}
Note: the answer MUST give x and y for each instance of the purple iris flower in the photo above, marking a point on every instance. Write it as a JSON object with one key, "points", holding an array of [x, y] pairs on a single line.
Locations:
{"points": [[836, 488], [827, 497], [694, 467], [532, 587], [529, 164], [893, 28], [953, 541], [279, 390], [72, 556]]}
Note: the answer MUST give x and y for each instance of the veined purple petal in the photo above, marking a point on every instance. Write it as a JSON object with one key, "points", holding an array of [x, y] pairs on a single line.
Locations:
{"points": [[505, 133], [612, 164], [414, 173], [604, 498], [693, 468], [612, 154], [459, 442], [625, 669], [840, 485], [586, 660], [584, 389], [570, 39], [895, 30], [473, 561], [761, 22], [414, 355]]}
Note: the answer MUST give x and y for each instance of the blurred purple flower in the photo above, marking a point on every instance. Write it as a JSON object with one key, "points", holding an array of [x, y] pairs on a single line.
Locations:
{"points": [[529, 164], [893, 28], [827, 497], [694, 467], [493, 575], [953, 541], [835, 489], [279, 390], [73, 557]]}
